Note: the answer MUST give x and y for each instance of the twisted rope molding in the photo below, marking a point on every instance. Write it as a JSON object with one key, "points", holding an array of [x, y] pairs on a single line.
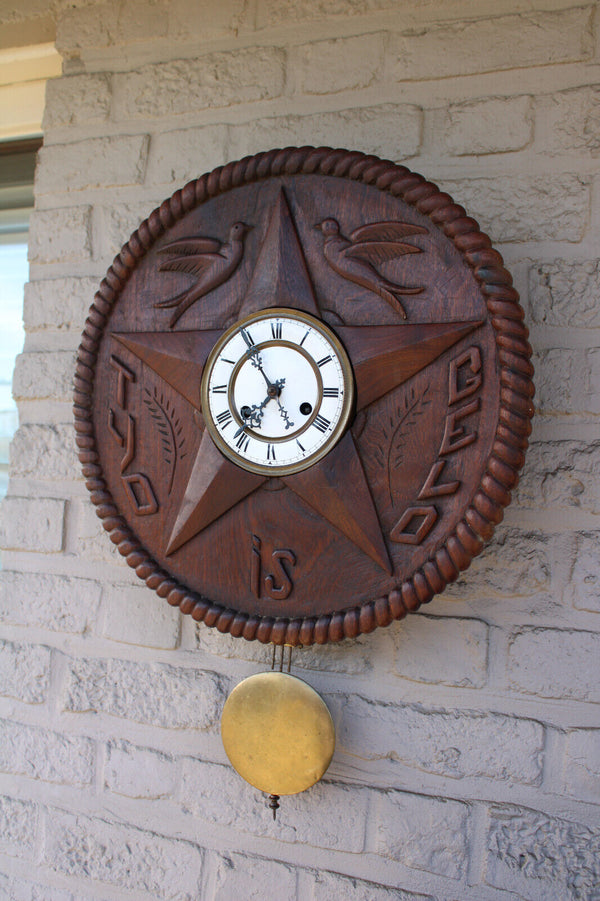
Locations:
{"points": [[510, 441]]}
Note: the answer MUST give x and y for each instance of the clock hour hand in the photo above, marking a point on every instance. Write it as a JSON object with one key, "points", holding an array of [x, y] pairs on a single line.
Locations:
{"points": [[253, 415]]}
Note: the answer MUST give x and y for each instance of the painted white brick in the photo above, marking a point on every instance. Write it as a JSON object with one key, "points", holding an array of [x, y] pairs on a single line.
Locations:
{"points": [[18, 827], [352, 656], [268, 879], [60, 236], [333, 887], [514, 563], [137, 616], [539, 857], [224, 19], [60, 603], [561, 474], [555, 663], [157, 694], [85, 27], [278, 12], [32, 524], [498, 42], [95, 163], [581, 777], [450, 743], [495, 125], [442, 650], [526, 208], [591, 397], [107, 24], [424, 833], [41, 754], [43, 375], [139, 20], [344, 64], [60, 303], [16, 889], [565, 291], [215, 794], [184, 86], [199, 150], [123, 856], [564, 380], [569, 121], [390, 131], [585, 575], [114, 225], [78, 100], [24, 671], [44, 452], [91, 541], [139, 772]]}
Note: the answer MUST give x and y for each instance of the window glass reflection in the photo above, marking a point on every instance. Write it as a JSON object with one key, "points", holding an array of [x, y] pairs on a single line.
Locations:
{"points": [[13, 275]]}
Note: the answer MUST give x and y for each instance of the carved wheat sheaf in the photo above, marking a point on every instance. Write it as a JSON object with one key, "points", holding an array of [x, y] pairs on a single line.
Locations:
{"points": [[500, 475]]}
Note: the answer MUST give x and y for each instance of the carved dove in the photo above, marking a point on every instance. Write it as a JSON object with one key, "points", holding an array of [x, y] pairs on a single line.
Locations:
{"points": [[355, 258], [210, 260]]}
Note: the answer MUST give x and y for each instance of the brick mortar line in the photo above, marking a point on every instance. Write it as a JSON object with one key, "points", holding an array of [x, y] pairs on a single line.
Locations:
{"points": [[91, 798], [137, 192], [160, 49], [559, 713], [127, 812]]}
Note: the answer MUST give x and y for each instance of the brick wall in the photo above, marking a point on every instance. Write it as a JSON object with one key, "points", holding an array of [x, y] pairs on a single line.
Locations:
{"points": [[468, 747]]}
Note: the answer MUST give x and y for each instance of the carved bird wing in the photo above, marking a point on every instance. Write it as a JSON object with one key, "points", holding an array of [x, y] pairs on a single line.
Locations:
{"points": [[192, 246], [195, 265], [379, 251], [385, 231]]}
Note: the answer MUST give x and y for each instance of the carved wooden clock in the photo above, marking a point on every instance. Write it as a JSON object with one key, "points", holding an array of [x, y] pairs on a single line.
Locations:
{"points": [[303, 395]]}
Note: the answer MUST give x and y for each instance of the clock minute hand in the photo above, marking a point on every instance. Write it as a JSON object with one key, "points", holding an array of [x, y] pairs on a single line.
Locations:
{"points": [[253, 355]]}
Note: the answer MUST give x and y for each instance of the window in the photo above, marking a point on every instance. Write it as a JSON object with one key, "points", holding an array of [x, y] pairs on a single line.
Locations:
{"points": [[17, 165]]}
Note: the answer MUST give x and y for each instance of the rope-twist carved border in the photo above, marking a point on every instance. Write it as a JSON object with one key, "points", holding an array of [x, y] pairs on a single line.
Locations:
{"points": [[516, 392]]}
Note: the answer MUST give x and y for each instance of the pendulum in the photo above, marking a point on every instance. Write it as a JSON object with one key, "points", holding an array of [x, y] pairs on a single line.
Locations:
{"points": [[277, 732]]}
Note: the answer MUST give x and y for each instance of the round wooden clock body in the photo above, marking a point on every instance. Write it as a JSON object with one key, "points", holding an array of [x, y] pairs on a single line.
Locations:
{"points": [[303, 395]]}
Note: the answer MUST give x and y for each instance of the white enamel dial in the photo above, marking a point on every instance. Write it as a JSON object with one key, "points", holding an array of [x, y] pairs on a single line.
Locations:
{"points": [[277, 391]]}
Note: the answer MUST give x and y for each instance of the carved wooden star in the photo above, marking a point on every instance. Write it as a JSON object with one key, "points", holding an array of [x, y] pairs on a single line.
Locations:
{"points": [[383, 357]]}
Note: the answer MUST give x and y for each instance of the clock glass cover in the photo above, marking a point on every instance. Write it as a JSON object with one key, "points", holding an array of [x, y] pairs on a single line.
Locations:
{"points": [[277, 391]]}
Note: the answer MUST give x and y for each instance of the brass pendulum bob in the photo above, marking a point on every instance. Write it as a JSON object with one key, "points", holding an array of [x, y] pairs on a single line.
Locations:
{"points": [[277, 732]]}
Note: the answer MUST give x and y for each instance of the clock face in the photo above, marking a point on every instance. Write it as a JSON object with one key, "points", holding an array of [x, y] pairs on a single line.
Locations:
{"points": [[277, 391], [303, 395]]}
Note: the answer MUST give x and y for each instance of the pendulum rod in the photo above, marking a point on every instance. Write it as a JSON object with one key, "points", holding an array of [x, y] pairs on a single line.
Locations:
{"points": [[274, 799]]}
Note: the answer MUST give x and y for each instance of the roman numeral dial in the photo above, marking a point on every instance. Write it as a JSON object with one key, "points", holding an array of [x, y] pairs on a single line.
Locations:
{"points": [[283, 380]]}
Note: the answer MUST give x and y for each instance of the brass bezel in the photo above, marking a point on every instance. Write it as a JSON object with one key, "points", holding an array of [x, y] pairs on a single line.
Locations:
{"points": [[273, 470]]}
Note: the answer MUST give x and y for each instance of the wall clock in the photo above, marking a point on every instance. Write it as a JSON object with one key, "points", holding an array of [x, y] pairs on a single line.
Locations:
{"points": [[303, 395]]}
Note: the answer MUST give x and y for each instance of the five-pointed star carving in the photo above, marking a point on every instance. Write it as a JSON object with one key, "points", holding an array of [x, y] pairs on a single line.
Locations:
{"points": [[382, 357]]}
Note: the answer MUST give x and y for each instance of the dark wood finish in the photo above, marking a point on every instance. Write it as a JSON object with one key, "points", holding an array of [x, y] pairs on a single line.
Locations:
{"points": [[434, 333]]}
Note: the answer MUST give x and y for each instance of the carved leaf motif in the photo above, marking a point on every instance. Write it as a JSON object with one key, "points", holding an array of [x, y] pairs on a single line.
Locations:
{"points": [[389, 448], [170, 429]]}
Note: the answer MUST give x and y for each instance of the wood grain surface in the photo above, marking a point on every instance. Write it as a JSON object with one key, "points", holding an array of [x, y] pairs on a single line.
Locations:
{"points": [[432, 325]]}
